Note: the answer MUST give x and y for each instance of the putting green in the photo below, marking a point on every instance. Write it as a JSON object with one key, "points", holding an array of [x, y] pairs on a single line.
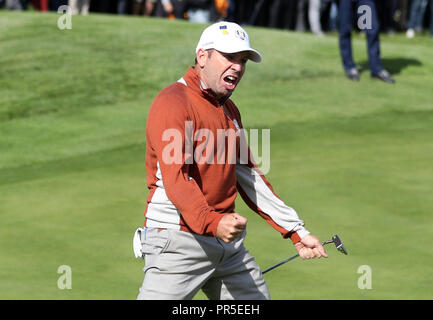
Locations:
{"points": [[353, 159]]}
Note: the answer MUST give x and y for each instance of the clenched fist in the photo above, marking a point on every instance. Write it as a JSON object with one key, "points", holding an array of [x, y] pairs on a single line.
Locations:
{"points": [[231, 227]]}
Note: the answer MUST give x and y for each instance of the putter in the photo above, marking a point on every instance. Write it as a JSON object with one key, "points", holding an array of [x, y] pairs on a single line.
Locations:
{"points": [[335, 239]]}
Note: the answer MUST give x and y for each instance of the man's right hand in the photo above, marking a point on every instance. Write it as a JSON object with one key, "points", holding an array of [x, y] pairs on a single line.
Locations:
{"points": [[231, 227]]}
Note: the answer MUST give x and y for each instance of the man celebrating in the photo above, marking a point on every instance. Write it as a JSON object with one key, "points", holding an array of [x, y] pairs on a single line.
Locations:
{"points": [[193, 238]]}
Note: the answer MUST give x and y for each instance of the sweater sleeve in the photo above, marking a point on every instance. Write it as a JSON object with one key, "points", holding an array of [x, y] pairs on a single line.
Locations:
{"points": [[259, 195], [166, 133]]}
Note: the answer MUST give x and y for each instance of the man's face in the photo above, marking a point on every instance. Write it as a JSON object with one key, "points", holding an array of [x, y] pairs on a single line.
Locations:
{"points": [[221, 72]]}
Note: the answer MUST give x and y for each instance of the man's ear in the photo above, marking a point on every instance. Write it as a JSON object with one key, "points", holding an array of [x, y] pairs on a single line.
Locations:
{"points": [[201, 57]]}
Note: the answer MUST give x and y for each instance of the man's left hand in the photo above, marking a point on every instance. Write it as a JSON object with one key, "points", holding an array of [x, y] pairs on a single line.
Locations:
{"points": [[310, 247]]}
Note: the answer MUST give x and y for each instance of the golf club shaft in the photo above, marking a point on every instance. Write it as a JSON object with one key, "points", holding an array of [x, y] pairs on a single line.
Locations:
{"points": [[288, 259], [280, 263]]}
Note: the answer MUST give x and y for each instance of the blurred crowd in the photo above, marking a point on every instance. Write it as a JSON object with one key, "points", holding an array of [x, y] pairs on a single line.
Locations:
{"points": [[317, 16]]}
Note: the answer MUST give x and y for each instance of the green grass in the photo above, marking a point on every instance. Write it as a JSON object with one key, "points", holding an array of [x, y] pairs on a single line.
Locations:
{"points": [[352, 158]]}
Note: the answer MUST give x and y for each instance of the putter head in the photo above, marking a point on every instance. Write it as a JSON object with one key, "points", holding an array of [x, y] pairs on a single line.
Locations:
{"points": [[337, 241]]}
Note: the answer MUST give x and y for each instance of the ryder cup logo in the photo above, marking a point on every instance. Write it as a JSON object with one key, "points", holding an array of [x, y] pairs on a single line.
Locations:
{"points": [[241, 35]]}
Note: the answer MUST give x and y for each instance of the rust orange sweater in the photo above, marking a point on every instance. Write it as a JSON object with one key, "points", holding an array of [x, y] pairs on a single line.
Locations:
{"points": [[195, 164]]}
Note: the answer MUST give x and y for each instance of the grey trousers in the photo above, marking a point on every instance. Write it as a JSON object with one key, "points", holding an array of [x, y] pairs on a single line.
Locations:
{"points": [[178, 264]]}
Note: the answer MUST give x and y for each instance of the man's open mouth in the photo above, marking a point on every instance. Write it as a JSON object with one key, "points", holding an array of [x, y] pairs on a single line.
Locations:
{"points": [[230, 81]]}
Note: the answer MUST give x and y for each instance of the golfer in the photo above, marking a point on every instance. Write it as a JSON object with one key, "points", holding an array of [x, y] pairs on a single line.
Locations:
{"points": [[192, 237]]}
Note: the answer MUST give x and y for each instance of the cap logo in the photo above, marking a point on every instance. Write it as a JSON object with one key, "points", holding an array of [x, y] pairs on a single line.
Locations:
{"points": [[224, 29], [204, 45], [241, 35]]}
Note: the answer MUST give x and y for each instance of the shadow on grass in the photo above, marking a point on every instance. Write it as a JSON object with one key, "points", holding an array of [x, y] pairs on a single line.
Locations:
{"points": [[393, 65]]}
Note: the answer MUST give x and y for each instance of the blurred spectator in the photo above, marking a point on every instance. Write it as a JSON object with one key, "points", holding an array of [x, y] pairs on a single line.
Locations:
{"points": [[179, 8], [221, 7], [325, 16], [283, 13], [104, 6], [275, 17], [387, 15], [14, 5], [199, 10], [55, 4], [122, 7], [300, 16], [401, 14], [138, 7], [80, 6], [314, 7], [172, 9], [268, 13], [243, 11], [318, 15], [40, 5], [333, 17], [145, 7], [417, 11], [431, 18], [168, 7], [290, 14], [346, 22], [231, 11]]}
